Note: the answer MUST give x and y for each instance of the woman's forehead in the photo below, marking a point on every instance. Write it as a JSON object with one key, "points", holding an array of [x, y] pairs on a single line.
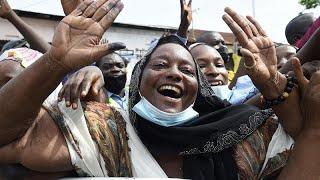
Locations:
{"points": [[172, 51], [205, 50]]}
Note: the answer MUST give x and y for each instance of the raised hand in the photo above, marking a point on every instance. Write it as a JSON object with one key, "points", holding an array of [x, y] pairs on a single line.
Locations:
{"points": [[70, 5], [186, 17], [5, 9], [76, 40], [258, 51]]}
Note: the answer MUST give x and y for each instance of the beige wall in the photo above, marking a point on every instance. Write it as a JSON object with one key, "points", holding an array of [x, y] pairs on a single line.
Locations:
{"points": [[133, 38]]}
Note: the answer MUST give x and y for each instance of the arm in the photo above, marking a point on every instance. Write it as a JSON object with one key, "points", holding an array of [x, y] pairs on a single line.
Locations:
{"points": [[186, 18], [26, 30], [304, 161], [75, 45], [260, 61]]}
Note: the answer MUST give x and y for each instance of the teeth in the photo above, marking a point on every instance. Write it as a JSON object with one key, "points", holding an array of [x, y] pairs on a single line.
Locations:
{"points": [[217, 83], [168, 87]]}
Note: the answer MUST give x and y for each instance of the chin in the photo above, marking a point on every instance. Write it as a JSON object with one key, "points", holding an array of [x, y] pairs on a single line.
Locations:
{"points": [[172, 108]]}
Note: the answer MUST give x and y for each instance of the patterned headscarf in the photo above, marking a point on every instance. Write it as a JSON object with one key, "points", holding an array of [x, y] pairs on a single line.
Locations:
{"points": [[205, 93], [205, 144]]}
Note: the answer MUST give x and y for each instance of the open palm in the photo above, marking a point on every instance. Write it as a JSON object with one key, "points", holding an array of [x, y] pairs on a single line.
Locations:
{"points": [[258, 50], [70, 5], [77, 37]]}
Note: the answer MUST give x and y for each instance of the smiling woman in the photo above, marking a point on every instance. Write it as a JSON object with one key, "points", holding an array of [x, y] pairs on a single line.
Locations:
{"points": [[190, 132], [171, 72]]}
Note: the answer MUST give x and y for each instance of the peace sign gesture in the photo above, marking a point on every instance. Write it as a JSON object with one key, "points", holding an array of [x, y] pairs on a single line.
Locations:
{"points": [[259, 53], [186, 17]]}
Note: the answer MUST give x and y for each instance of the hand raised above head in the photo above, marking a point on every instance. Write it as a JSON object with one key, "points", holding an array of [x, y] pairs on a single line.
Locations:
{"points": [[5, 9], [69, 5], [258, 52], [76, 40], [186, 15]]}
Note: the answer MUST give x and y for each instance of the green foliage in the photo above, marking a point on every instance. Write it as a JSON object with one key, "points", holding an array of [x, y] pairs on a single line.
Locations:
{"points": [[309, 4]]}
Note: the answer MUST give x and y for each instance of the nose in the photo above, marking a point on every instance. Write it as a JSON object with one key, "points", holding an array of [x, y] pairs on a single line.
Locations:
{"points": [[174, 74], [212, 70], [115, 68]]}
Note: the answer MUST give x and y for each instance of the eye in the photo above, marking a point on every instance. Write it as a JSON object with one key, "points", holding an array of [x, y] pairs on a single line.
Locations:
{"points": [[159, 65], [189, 71], [220, 65], [202, 66]]}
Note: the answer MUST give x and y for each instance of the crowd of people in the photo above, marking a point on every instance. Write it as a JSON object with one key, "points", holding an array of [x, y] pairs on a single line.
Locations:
{"points": [[189, 110]]}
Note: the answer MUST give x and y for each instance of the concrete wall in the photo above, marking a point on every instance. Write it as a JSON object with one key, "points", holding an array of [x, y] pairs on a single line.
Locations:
{"points": [[135, 39]]}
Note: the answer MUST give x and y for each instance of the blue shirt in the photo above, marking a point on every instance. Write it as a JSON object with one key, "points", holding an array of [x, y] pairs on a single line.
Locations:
{"points": [[243, 90], [122, 102]]}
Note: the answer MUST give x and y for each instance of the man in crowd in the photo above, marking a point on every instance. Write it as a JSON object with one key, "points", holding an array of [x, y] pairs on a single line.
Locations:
{"points": [[298, 26], [114, 71], [284, 53]]}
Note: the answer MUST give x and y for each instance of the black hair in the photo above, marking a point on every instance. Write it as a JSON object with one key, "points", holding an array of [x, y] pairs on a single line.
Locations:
{"points": [[298, 26]]}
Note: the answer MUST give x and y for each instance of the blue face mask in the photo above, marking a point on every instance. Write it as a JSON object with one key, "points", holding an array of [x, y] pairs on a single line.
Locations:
{"points": [[151, 113], [223, 92]]}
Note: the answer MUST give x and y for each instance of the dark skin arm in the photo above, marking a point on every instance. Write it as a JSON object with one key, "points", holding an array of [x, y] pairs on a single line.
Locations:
{"points": [[304, 162], [75, 45], [186, 18], [36, 42]]}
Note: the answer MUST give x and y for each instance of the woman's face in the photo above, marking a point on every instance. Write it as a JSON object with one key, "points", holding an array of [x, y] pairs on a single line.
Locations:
{"points": [[211, 64], [169, 80]]}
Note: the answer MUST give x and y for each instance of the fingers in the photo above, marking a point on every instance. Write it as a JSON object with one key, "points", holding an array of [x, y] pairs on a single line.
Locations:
{"points": [[70, 91], [236, 29], [301, 79], [110, 16], [66, 92], [61, 93], [241, 21], [92, 8], [97, 86], [249, 59], [81, 8], [181, 4], [75, 89], [257, 26], [104, 49], [104, 9], [254, 30], [86, 85], [190, 3]]}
